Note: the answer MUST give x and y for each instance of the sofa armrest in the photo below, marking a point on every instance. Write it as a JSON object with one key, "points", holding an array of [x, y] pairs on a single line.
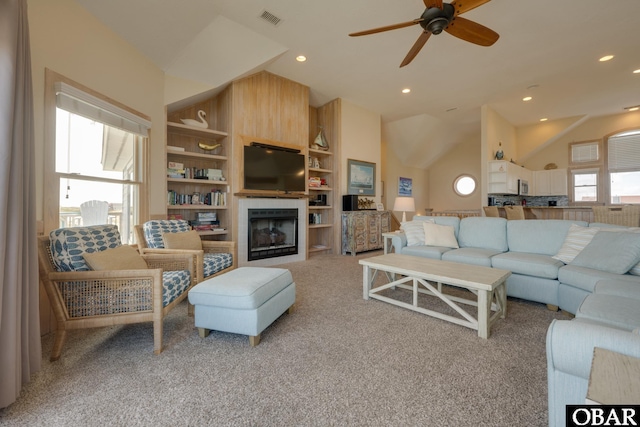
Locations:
{"points": [[399, 241], [570, 344]]}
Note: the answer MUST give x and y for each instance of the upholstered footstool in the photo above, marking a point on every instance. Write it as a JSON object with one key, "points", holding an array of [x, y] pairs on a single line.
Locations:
{"points": [[243, 301]]}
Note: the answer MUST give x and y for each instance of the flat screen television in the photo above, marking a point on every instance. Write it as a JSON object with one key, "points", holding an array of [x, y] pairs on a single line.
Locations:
{"points": [[272, 169]]}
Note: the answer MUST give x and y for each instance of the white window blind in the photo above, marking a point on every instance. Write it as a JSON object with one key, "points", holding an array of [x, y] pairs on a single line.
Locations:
{"points": [[584, 152], [624, 152], [83, 104]]}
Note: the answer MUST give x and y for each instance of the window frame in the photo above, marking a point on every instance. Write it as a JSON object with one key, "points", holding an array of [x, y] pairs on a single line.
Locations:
{"points": [[607, 172], [51, 188], [458, 178], [588, 167]]}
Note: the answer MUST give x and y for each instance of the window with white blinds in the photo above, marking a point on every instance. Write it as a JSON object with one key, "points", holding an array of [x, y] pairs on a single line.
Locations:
{"points": [[624, 152], [585, 152]]}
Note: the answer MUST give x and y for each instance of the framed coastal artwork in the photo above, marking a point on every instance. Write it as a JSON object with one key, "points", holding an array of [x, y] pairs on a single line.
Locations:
{"points": [[361, 178], [405, 187]]}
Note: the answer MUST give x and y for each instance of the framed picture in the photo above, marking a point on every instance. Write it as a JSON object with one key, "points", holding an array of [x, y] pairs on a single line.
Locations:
{"points": [[405, 187], [361, 178], [379, 206]]}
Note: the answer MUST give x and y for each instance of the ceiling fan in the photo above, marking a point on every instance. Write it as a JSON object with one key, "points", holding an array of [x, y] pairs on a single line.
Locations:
{"points": [[439, 16]]}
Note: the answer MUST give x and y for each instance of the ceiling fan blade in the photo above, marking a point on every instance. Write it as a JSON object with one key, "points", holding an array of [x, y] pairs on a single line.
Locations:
{"points": [[416, 48], [387, 28], [467, 5], [473, 32], [433, 3]]}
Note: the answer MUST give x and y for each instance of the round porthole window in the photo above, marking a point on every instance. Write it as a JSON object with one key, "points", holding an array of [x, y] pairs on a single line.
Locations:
{"points": [[464, 185]]}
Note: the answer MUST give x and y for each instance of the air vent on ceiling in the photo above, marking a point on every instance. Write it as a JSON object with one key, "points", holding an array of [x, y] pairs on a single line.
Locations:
{"points": [[270, 18]]}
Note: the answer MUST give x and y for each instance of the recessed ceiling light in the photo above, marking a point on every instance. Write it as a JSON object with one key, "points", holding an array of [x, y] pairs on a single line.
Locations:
{"points": [[544, 119], [606, 58], [634, 108], [527, 98], [301, 58], [406, 90], [636, 71]]}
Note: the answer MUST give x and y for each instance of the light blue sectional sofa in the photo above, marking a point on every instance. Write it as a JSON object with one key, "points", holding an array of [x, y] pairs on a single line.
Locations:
{"points": [[605, 301], [526, 248]]}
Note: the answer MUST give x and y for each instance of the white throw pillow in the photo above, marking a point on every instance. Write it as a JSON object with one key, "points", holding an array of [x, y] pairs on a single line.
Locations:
{"points": [[578, 237], [439, 235], [414, 231]]}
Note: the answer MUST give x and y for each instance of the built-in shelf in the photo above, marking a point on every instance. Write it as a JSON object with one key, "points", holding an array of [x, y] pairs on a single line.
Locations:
{"points": [[194, 131], [191, 154], [195, 207], [197, 181]]}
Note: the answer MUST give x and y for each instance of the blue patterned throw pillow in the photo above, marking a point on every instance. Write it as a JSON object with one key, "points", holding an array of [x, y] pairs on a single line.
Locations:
{"points": [[68, 245], [153, 230]]}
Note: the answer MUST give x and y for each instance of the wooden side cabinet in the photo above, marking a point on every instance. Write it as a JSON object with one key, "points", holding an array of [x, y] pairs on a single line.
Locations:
{"points": [[362, 230]]}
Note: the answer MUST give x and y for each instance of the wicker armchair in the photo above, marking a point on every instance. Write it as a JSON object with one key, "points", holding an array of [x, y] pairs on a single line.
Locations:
{"points": [[628, 215], [85, 298], [216, 257]]}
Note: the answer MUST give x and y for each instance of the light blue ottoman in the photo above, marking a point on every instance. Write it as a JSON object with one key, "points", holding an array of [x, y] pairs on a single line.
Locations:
{"points": [[243, 301]]}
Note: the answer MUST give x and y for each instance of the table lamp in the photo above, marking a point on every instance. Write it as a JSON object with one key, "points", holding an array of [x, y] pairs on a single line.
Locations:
{"points": [[404, 204]]}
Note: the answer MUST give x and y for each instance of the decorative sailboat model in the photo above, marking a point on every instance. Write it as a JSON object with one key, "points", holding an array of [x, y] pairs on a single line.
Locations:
{"points": [[320, 143]]}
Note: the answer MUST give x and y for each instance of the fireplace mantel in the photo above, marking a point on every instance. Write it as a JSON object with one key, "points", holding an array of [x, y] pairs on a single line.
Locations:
{"points": [[274, 195]]}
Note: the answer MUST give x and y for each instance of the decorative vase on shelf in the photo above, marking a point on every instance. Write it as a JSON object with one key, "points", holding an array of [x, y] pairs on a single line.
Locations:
{"points": [[202, 123], [499, 154]]}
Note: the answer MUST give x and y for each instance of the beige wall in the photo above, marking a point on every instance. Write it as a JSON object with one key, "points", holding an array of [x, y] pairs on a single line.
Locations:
{"points": [[393, 170], [464, 158], [593, 129], [361, 140], [69, 40]]}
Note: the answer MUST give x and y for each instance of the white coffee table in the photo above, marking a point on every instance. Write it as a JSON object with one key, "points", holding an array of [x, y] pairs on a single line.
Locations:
{"points": [[488, 284]]}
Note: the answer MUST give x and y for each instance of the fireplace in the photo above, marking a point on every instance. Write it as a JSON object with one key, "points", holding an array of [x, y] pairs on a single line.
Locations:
{"points": [[272, 233]]}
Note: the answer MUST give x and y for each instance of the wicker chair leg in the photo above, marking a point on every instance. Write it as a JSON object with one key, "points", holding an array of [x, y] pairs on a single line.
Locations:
{"points": [[157, 336], [58, 342]]}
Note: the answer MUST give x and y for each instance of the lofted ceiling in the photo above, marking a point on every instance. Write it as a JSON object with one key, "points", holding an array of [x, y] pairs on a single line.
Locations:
{"points": [[548, 49]]}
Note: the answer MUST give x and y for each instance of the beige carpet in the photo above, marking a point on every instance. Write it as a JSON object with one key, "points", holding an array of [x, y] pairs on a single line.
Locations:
{"points": [[337, 360]]}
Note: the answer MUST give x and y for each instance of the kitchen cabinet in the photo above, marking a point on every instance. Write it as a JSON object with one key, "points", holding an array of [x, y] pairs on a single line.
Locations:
{"points": [[551, 182], [503, 177]]}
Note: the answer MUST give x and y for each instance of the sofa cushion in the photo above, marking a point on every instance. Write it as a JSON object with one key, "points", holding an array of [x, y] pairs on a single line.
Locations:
{"points": [[453, 221], [414, 232], [215, 262], [68, 245], [538, 236], [484, 233], [528, 264], [635, 270], [612, 310], [154, 229], [439, 235], [120, 258], [621, 288], [578, 237], [474, 256], [611, 252], [586, 278], [432, 252]]}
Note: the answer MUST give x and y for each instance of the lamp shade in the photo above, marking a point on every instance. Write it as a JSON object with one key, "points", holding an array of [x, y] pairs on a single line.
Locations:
{"points": [[404, 204]]}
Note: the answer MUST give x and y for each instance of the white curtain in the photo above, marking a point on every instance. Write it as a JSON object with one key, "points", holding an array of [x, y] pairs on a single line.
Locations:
{"points": [[20, 351]]}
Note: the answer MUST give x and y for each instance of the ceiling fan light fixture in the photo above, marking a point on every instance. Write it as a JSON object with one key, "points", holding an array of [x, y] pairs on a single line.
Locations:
{"points": [[406, 90], [437, 25], [636, 71], [527, 98], [606, 58]]}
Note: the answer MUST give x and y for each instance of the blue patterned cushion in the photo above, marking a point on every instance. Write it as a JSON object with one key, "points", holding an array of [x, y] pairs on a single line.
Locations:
{"points": [[214, 262], [154, 229], [174, 283], [68, 245]]}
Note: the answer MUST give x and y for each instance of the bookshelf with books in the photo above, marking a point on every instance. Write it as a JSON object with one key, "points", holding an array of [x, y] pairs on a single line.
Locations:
{"points": [[197, 178]]}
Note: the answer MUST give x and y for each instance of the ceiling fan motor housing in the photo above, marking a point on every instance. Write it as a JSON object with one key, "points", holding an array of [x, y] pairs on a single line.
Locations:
{"points": [[435, 20]]}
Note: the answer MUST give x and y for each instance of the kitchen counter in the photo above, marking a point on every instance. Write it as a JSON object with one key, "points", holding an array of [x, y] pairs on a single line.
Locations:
{"points": [[574, 213]]}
